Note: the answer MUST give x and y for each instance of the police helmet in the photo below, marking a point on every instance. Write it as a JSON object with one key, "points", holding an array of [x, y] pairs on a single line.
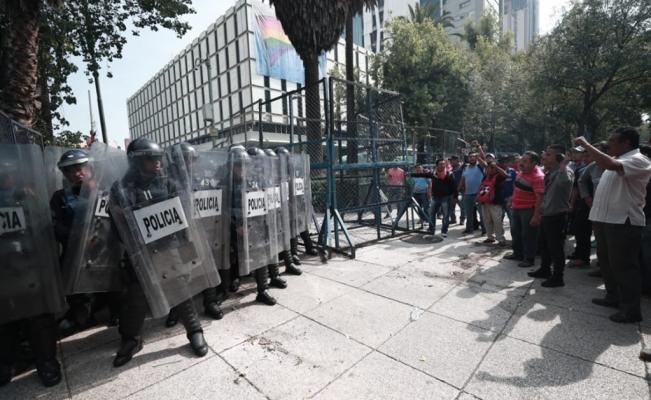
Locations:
{"points": [[189, 152], [282, 150], [270, 153], [255, 151], [73, 157]]}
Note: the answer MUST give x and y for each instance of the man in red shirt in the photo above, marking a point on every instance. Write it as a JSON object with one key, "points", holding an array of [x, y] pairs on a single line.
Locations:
{"points": [[528, 192]]}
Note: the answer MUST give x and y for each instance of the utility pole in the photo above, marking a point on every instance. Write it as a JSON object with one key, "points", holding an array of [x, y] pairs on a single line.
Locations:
{"points": [[93, 133]]}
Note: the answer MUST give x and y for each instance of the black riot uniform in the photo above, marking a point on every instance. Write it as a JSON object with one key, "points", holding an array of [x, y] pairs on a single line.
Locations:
{"points": [[261, 275], [63, 204], [40, 329], [146, 184], [211, 300]]}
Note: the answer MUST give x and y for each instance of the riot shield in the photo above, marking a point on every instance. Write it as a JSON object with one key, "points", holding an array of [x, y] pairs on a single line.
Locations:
{"points": [[265, 170], [161, 239], [92, 258], [30, 281], [281, 201], [206, 176], [249, 213], [301, 193], [54, 178]]}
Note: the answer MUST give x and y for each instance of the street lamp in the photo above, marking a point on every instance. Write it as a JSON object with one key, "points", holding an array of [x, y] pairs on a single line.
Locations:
{"points": [[207, 109]]}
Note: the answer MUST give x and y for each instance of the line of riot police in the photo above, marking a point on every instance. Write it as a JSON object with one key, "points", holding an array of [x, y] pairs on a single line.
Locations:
{"points": [[139, 234]]}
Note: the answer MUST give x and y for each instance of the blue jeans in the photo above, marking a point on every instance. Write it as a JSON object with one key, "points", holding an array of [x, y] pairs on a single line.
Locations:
{"points": [[423, 202], [471, 210], [441, 204], [525, 236]]}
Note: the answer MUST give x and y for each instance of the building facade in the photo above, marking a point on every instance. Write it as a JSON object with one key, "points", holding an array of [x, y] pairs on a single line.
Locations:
{"points": [[521, 17], [197, 95]]}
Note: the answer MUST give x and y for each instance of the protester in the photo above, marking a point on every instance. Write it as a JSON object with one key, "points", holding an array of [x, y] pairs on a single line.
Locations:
{"points": [[618, 219], [421, 191], [470, 181], [507, 185], [554, 209], [491, 199], [443, 188], [457, 170], [395, 183], [525, 207], [645, 256]]}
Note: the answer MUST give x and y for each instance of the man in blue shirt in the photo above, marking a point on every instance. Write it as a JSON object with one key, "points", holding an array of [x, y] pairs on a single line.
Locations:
{"points": [[470, 181], [420, 191]]}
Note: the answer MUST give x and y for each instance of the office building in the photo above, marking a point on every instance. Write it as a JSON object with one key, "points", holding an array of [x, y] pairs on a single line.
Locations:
{"points": [[520, 17], [241, 58]]}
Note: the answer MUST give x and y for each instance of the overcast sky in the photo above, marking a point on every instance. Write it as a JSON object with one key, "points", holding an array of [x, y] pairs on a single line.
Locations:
{"points": [[146, 54]]}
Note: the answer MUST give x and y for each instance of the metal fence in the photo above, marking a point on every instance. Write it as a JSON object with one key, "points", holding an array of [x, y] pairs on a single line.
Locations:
{"points": [[14, 132], [354, 136]]}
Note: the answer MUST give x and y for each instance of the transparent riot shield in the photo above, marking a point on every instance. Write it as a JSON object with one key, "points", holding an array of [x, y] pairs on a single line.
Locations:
{"points": [[301, 193], [249, 213], [92, 258], [265, 167], [54, 178], [30, 281], [206, 176], [161, 239], [281, 202]]}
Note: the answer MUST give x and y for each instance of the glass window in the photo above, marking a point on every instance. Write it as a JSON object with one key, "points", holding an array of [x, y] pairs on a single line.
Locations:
{"points": [[232, 75], [212, 45], [222, 61], [203, 47], [244, 47], [219, 32], [190, 82], [213, 66], [231, 55], [241, 20], [244, 75], [183, 66], [230, 28]]}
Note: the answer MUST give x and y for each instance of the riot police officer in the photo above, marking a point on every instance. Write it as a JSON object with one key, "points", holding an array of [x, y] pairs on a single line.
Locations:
{"points": [[186, 155], [249, 222], [163, 269], [30, 285], [66, 205]]}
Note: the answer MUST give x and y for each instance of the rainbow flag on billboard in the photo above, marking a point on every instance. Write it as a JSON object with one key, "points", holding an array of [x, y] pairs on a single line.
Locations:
{"points": [[275, 55]]}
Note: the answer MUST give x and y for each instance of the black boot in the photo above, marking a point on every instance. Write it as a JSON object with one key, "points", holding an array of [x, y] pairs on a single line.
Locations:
{"points": [[172, 318], [275, 279], [261, 275], [198, 343], [309, 246], [556, 280], [541, 272], [294, 251], [211, 304], [290, 268], [49, 371], [128, 348]]}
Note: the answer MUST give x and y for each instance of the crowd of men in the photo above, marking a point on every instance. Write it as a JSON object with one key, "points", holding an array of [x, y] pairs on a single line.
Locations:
{"points": [[600, 189], [139, 233]]}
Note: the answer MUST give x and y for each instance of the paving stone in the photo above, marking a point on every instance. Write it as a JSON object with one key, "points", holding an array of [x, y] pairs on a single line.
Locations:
{"points": [[453, 271], [212, 378], [365, 317], [91, 374], [446, 349], [307, 291], [89, 339], [477, 306], [410, 286], [380, 377], [295, 360], [353, 272], [503, 276], [28, 386], [517, 370], [249, 319], [576, 297], [586, 336]]}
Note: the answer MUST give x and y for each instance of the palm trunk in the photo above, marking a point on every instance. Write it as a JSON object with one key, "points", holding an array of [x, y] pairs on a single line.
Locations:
{"points": [[313, 107], [351, 127], [18, 94]]}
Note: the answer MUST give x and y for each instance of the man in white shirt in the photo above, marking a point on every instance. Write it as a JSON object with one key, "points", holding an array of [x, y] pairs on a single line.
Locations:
{"points": [[618, 219]]}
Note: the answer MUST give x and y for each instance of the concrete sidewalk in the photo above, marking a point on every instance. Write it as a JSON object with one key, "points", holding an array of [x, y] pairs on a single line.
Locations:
{"points": [[405, 320]]}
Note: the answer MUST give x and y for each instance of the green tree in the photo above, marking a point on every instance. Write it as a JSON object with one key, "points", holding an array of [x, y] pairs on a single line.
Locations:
{"points": [[428, 70], [67, 139], [313, 26], [600, 52]]}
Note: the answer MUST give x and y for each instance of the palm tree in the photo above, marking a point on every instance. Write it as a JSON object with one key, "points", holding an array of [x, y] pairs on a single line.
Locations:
{"points": [[313, 26], [356, 7], [419, 13], [19, 59]]}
